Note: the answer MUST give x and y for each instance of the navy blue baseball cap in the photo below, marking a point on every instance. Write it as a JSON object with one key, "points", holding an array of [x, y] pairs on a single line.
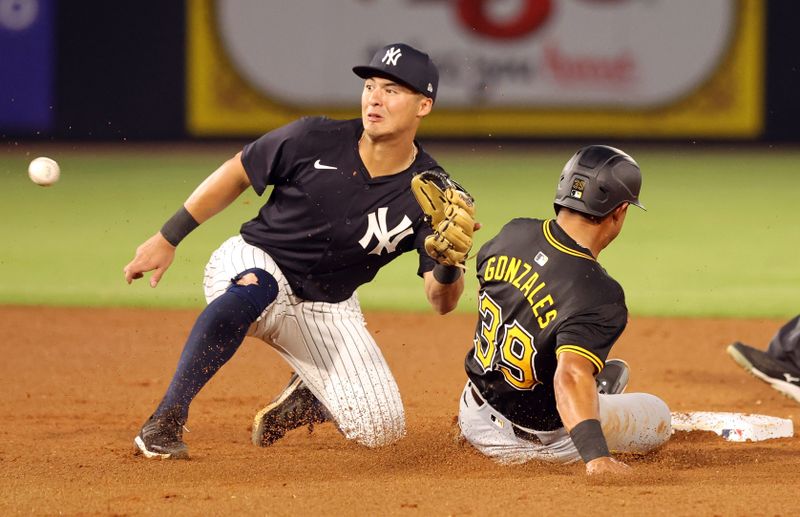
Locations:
{"points": [[404, 64]]}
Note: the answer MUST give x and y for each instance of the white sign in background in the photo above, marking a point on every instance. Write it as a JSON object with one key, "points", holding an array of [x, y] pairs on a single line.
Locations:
{"points": [[490, 53]]}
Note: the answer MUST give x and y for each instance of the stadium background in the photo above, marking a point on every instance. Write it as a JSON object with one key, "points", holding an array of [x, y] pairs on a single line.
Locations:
{"points": [[123, 95], [129, 58], [135, 95]]}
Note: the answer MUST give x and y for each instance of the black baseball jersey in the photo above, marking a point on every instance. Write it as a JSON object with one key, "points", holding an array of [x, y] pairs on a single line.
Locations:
{"points": [[541, 294], [327, 224]]}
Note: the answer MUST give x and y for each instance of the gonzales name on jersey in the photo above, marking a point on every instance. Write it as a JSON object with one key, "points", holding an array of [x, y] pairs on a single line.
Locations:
{"points": [[541, 294]]}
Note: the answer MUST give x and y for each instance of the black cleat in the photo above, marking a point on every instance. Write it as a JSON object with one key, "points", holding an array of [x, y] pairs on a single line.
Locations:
{"points": [[293, 408], [162, 437], [614, 377], [784, 379]]}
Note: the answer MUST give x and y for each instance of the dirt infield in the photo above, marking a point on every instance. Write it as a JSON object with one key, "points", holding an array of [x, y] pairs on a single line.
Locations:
{"points": [[78, 383]]}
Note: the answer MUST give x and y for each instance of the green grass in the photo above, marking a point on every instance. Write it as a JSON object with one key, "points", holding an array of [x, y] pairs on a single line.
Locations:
{"points": [[720, 237]]}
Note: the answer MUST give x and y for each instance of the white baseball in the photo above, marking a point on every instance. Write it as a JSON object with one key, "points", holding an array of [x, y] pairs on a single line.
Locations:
{"points": [[44, 171]]}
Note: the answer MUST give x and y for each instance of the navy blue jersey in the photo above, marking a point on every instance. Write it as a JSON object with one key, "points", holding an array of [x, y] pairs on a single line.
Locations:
{"points": [[327, 224], [541, 294]]}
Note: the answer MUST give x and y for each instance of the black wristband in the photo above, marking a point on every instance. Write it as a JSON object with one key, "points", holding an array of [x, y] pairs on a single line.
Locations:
{"points": [[589, 440], [446, 274], [179, 226]]}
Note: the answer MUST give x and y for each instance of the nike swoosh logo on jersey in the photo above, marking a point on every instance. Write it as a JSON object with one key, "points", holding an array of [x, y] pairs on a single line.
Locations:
{"points": [[318, 165]]}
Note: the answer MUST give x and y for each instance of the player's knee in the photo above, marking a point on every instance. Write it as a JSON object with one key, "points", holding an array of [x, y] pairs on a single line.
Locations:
{"points": [[247, 279], [635, 422], [257, 287], [380, 434], [657, 427], [663, 420]]}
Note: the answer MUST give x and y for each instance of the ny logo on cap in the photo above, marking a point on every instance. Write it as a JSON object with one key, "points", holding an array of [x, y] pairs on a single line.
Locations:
{"points": [[391, 56]]}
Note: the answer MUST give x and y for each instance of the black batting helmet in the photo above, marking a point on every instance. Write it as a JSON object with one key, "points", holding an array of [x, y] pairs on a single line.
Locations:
{"points": [[597, 179]]}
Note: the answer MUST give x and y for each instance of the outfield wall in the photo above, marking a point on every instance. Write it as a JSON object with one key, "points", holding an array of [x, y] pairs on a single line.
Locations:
{"points": [[678, 70], [548, 68]]}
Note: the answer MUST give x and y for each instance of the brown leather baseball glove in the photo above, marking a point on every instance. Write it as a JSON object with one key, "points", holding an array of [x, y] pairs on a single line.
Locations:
{"points": [[450, 210]]}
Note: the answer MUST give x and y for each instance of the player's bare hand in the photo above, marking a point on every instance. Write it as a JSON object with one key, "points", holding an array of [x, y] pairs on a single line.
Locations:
{"points": [[155, 254], [607, 465]]}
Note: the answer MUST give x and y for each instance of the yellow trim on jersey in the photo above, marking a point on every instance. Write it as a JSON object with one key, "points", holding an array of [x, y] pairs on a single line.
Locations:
{"points": [[560, 247], [575, 349]]}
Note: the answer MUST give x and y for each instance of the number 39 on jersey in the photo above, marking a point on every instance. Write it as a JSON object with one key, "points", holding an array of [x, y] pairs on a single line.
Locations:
{"points": [[509, 349]]}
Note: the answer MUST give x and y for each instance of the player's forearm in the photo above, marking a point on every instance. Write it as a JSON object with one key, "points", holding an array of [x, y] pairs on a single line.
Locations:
{"points": [[576, 396], [218, 190], [579, 408], [443, 297], [211, 197]]}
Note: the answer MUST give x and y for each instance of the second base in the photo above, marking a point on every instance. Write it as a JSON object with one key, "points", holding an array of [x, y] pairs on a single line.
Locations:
{"points": [[734, 427]]}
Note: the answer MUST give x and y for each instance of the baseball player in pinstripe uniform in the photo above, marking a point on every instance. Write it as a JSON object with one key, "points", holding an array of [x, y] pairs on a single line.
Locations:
{"points": [[340, 208], [779, 365], [548, 317]]}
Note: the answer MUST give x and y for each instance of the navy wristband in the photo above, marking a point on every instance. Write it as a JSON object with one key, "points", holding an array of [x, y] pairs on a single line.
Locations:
{"points": [[446, 274], [589, 440], [179, 226]]}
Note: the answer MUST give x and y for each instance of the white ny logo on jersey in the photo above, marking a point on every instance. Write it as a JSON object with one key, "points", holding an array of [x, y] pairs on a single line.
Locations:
{"points": [[377, 228], [391, 56]]}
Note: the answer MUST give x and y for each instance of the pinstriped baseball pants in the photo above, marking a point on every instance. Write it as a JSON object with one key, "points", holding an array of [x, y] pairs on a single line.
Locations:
{"points": [[327, 344]]}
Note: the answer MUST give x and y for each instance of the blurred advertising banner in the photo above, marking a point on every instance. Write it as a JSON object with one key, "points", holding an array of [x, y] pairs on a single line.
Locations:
{"points": [[513, 68], [27, 63]]}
